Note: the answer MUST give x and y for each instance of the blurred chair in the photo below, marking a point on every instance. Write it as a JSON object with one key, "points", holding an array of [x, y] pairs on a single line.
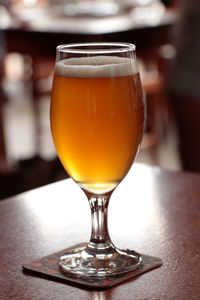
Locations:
{"points": [[3, 159], [41, 79], [159, 122]]}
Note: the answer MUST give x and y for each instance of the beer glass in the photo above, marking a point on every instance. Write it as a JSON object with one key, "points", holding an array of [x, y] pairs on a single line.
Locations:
{"points": [[97, 118]]}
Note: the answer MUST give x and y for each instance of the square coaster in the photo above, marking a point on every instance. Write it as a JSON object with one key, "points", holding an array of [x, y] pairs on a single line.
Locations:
{"points": [[48, 266]]}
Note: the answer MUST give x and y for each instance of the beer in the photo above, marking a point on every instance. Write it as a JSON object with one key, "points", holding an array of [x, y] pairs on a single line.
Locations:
{"points": [[97, 119]]}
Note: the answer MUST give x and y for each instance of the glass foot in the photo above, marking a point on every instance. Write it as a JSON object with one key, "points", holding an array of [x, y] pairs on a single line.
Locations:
{"points": [[85, 266]]}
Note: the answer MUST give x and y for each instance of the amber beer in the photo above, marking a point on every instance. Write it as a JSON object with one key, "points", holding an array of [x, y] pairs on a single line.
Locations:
{"points": [[97, 119]]}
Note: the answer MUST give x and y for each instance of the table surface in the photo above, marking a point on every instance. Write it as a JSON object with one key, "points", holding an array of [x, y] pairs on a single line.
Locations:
{"points": [[152, 211]]}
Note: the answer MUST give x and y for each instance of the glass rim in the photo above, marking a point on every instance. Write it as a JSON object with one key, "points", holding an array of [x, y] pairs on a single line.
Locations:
{"points": [[77, 48]]}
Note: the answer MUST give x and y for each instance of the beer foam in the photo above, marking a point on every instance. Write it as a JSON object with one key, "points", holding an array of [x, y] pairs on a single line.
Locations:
{"points": [[96, 67]]}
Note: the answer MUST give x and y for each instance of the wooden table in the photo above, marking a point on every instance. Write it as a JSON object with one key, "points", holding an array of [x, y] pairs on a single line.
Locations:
{"points": [[152, 211]]}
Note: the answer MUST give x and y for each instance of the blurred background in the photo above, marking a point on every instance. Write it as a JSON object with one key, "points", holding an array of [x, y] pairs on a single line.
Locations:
{"points": [[29, 33]]}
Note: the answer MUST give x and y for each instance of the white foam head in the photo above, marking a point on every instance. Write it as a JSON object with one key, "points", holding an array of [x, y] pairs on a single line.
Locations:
{"points": [[96, 67]]}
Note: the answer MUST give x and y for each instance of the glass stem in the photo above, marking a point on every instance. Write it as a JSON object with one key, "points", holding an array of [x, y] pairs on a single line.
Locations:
{"points": [[100, 239]]}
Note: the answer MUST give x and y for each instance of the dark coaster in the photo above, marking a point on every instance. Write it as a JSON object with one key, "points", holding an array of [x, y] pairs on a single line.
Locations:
{"points": [[47, 266]]}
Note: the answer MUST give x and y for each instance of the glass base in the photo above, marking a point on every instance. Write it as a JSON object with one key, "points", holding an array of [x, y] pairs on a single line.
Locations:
{"points": [[106, 268]]}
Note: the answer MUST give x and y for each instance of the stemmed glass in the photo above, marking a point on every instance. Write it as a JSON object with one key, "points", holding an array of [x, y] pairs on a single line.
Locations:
{"points": [[97, 117]]}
